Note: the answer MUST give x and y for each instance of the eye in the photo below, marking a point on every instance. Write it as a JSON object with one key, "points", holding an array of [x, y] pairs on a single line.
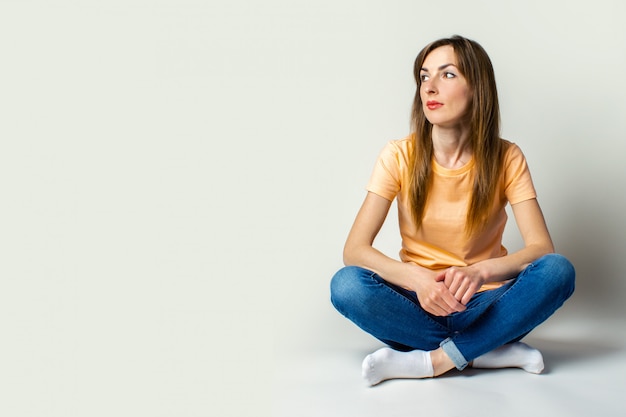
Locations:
{"points": [[449, 74], [423, 77]]}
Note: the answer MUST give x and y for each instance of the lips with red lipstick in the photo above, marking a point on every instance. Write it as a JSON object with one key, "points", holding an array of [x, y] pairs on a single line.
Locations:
{"points": [[433, 105]]}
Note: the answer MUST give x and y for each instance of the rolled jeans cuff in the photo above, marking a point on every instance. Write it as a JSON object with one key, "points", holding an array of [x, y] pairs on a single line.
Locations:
{"points": [[453, 353]]}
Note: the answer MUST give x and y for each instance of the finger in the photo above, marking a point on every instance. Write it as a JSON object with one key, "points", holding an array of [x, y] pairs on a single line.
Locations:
{"points": [[469, 293], [456, 285], [450, 275], [438, 311], [439, 303], [452, 305], [435, 309], [461, 291]]}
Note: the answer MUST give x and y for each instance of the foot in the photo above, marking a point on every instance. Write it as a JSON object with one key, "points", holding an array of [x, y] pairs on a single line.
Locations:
{"points": [[387, 363], [513, 355]]}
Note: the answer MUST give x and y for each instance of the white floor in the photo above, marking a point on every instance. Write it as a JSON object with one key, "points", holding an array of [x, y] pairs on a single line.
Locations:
{"points": [[585, 375]]}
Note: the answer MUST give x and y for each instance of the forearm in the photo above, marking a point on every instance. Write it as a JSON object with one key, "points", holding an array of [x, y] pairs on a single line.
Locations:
{"points": [[391, 270], [359, 250], [509, 266], [433, 296]]}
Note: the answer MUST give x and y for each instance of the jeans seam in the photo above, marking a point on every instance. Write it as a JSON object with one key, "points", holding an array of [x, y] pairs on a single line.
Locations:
{"points": [[506, 294], [405, 300], [521, 309]]}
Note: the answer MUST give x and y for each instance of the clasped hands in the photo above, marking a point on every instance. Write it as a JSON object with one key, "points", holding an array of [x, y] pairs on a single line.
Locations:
{"points": [[449, 290]]}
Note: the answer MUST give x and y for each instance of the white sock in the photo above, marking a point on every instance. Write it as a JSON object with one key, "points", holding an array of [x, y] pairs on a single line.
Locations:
{"points": [[513, 355], [387, 363]]}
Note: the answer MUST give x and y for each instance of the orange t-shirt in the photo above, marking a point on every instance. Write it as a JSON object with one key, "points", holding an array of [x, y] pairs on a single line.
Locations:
{"points": [[441, 241]]}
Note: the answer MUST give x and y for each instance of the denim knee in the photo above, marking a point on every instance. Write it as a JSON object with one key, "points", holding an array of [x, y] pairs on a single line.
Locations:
{"points": [[559, 273], [346, 288], [341, 286]]}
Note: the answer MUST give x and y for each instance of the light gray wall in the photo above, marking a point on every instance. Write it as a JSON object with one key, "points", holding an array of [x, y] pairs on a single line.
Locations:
{"points": [[558, 67], [178, 177]]}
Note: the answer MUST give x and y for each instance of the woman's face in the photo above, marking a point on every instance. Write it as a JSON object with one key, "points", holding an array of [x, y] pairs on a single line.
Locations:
{"points": [[445, 94]]}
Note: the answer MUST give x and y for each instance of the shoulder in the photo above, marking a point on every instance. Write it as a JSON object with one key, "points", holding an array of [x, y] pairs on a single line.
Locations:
{"points": [[399, 150], [518, 184], [512, 153]]}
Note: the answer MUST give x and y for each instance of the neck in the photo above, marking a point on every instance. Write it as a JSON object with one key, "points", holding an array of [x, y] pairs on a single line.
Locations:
{"points": [[451, 146]]}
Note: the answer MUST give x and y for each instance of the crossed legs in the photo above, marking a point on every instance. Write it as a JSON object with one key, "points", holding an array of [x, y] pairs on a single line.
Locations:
{"points": [[487, 333]]}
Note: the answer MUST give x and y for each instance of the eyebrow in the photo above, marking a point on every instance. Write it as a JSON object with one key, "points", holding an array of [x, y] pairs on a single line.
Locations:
{"points": [[444, 66]]}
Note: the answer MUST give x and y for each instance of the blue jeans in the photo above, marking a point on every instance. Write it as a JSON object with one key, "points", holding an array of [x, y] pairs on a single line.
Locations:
{"points": [[492, 318]]}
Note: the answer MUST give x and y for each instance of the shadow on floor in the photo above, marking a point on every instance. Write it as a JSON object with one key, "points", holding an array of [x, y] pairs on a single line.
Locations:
{"points": [[557, 353]]}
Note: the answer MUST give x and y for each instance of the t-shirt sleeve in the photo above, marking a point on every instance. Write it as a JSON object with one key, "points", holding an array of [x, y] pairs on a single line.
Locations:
{"points": [[385, 180], [518, 182]]}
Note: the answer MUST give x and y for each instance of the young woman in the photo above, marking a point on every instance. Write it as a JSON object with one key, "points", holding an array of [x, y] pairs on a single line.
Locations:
{"points": [[457, 297]]}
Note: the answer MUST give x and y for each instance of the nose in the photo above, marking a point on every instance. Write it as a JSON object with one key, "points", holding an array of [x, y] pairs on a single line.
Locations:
{"points": [[429, 87]]}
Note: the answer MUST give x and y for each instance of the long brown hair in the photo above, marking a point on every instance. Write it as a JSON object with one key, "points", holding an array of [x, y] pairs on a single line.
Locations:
{"points": [[487, 147]]}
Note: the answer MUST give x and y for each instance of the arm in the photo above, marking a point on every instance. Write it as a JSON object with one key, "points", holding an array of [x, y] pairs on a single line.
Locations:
{"points": [[358, 251], [465, 281]]}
